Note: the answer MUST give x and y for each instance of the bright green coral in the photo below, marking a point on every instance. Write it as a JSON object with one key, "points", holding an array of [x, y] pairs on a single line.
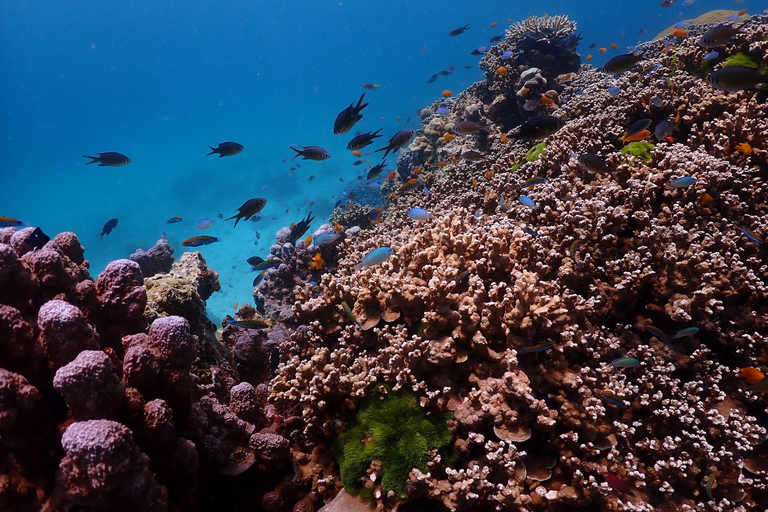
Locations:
{"points": [[398, 433], [536, 151], [639, 149], [740, 59]]}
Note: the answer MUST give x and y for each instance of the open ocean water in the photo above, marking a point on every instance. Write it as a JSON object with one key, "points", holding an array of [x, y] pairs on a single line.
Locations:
{"points": [[158, 81]]}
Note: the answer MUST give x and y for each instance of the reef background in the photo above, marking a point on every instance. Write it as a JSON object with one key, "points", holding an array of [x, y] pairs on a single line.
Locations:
{"points": [[159, 82]]}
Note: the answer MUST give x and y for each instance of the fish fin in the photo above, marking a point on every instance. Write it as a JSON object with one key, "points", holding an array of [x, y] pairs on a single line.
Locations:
{"points": [[360, 105], [213, 150], [93, 161], [298, 152]]}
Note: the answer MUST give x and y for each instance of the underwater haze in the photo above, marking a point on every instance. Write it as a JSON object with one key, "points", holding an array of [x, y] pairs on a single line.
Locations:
{"points": [[160, 81]]}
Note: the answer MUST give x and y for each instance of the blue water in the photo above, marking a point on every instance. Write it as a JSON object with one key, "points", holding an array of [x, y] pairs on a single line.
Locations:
{"points": [[158, 81]]}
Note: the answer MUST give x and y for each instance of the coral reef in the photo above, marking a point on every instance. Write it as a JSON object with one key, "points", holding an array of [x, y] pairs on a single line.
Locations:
{"points": [[157, 260]]}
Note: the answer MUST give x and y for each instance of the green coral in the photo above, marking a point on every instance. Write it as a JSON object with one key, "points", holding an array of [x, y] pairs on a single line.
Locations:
{"points": [[536, 151], [398, 433], [740, 59], [639, 149]]}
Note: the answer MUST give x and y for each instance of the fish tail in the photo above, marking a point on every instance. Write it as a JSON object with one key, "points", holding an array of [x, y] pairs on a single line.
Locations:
{"points": [[94, 159], [298, 152], [213, 150], [360, 105]]}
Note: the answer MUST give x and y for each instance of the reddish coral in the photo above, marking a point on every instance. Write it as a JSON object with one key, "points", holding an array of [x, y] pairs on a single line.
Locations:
{"points": [[90, 387]]}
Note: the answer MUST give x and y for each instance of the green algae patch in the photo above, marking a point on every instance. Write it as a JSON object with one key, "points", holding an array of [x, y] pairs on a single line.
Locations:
{"points": [[740, 59], [639, 149], [536, 151], [399, 434]]}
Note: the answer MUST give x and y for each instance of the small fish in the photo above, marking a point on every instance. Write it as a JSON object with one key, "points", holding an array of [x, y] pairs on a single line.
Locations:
{"points": [[595, 164], [657, 101], [315, 153], [419, 214], [751, 374], [256, 323], [311, 178], [298, 230], [259, 263], [603, 49], [507, 54], [7, 222], [621, 63], [249, 208], [679, 32], [398, 140], [443, 111], [358, 162], [375, 215], [613, 400], [527, 201], [682, 333], [501, 70], [616, 483], [108, 159], [664, 130], [174, 220], [375, 257], [362, 140], [710, 56], [736, 78], [613, 91], [431, 79], [197, 241], [472, 156], [350, 314], [533, 181], [541, 347], [750, 234], [259, 278], [326, 238], [531, 104], [480, 50], [637, 129], [257, 235], [391, 176], [682, 24], [743, 147], [540, 127], [374, 184], [711, 484], [226, 149], [317, 262], [370, 86], [349, 116], [108, 227], [685, 181], [659, 334], [458, 31], [446, 93], [204, 223], [495, 39], [625, 362], [717, 36]]}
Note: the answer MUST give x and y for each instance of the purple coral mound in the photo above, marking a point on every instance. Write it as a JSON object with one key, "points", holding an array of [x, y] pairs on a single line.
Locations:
{"points": [[157, 260]]}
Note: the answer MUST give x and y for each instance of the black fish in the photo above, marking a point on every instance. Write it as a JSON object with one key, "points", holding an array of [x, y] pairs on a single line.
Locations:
{"points": [[592, 45], [432, 79], [226, 149], [540, 127], [110, 159], [717, 36], [736, 78], [458, 31], [472, 156], [299, 229], [108, 227], [495, 39], [376, 170], [349, 116], [397, 141], [363, 140], [595, 164], [636, 127], [315, 153], [250, 208], [622, 63], [38, 239], [443, 73], [358, 162]]}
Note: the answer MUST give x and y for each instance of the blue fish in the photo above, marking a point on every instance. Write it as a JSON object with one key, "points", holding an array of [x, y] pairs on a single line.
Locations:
{"points": [[537, 348], [711, 56], [326, 238], [625, 362], [614, 400], [688, 331], [685, 181], [683, 24], [419, 214], [750, 234], [374, 184], [613, 91], [443, 111], [507, 54], [257, 235], [659, 334], [527, 201], [529, 231], [375, 257]]}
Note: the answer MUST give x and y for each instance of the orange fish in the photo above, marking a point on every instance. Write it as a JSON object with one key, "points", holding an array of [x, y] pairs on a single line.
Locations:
{"points": [[317, 262], [546, 100], [743, 147], [504, 138], [442, 164], [416, 171], [677, 117], [614, 46], [679, 32], [509, 19], [638, 136], [338, 227], [474, 182], [399, 119], [448, 137], [234, 306], [706, 198], [751, 374], [488, 174], [602, 50], [741, 12], [447, 94], [454, 159], [308, 241], [394, 196], [524, 91], [494, 23], [644, 101], [567, 76], [357, 153], [391, 176], [501, 71], [589, 57]]}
